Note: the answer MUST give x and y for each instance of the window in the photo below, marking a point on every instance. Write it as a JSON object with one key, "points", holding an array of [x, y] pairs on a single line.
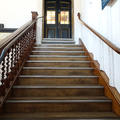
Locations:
{"points": [[64, 17], [50, 17]]}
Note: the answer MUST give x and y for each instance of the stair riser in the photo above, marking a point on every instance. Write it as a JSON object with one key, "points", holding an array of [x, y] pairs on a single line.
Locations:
{"points": [[58, 39], [55, 81], [57, 53], [58, 107], [59, 58], [57, 42], [57, 45], [56, 72], [57, 92], [56, 64], [61, 116], [57, 49]]}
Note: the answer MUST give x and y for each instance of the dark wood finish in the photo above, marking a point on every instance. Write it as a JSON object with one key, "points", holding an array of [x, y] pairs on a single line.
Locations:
{"points": [[42, 106], [58, 64], [91, 80], [105, 40], [58, 58], [13, 36], [57, 91], [57, 30], [74, 53], [34, 15], [110, 92], [60, 115], [57, 49], [58, 71], [49, 90], [14, 53]]}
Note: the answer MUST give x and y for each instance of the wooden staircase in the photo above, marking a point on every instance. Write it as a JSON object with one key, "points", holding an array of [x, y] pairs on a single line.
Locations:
{"points": [[58, 82]]}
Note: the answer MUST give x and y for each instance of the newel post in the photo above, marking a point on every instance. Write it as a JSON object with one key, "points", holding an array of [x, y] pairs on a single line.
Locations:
{"points": [[79, 15], [34, 17]]}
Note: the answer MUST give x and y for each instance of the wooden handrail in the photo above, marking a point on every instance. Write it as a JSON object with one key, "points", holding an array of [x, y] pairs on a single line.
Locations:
{"points": [[106, 41], [6, 41], [13, 37], [13, 54], [5, 49]]}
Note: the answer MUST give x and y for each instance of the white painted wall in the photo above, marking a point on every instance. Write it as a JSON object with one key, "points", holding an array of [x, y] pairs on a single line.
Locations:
{"points": [[76, 21], [15, 13], [107, 23]]}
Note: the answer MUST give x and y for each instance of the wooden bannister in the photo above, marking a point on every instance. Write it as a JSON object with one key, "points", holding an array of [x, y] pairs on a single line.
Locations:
{"points": [[106, 41], [13, 54]]}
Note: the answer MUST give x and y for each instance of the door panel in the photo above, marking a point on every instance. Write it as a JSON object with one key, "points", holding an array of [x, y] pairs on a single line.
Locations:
{"points": [[57, 19], [64, 33], [51, 32]]}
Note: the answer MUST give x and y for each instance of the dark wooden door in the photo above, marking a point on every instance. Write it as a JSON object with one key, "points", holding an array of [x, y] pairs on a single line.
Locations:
{"points": [[57, 19]]}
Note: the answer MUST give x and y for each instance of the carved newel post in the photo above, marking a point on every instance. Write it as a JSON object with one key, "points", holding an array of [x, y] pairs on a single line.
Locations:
{"points": [[79, 15], [34, 15]]}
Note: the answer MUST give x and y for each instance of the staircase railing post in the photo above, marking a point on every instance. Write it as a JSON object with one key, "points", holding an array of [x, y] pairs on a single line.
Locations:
{"points": [[34, 17]]}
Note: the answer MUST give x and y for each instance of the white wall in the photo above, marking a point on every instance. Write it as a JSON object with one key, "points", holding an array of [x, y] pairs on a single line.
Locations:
{"points": [[77, 32], [107, 23], [15, 13]]}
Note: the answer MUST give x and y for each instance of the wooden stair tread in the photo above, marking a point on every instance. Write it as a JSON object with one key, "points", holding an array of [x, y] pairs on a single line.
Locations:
{"points": [[69, 56], [37, 61], [58, 51], [62, 68], [60, 87], [72, 85], [53, 76], [61, 98], [58, 100], [60, 47], [60, 115]]}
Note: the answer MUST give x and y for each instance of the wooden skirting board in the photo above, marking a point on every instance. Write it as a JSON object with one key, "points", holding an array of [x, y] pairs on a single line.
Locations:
{"points": [[110, 92]]}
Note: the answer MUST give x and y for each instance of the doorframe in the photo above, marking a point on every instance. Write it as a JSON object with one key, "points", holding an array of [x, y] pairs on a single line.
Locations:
{"points": [[72, 18]]}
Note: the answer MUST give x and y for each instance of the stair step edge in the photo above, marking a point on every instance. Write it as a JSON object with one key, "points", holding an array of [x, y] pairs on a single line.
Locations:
{"points": [[59, 56], [60, 68], [57, 101], [59, 87], [47, 76], [40, 61], [61, 44], [61, 98], [58, 51], [60, 47], [57, 41]]}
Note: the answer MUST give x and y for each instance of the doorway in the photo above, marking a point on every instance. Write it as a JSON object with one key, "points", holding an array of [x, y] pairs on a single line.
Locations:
{"points": [[57, 19]]}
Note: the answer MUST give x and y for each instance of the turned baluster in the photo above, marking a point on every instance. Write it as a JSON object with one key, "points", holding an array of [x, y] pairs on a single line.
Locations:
{"points": [[7, 80], [2, 90]]}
